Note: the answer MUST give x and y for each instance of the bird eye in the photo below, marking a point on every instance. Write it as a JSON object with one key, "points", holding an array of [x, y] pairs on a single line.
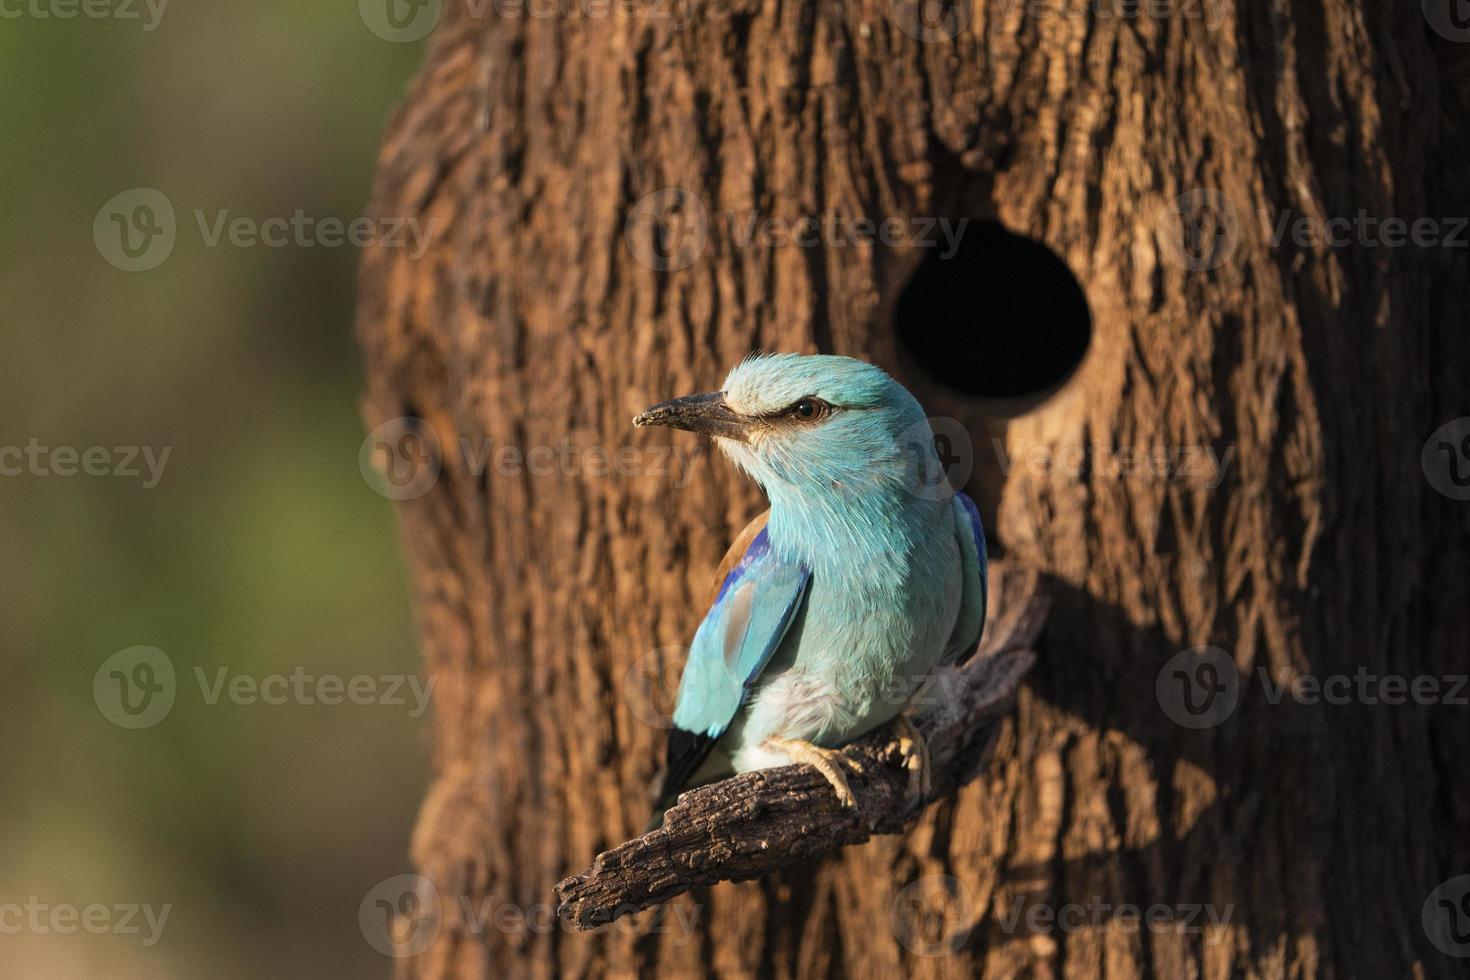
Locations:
{"points": [[810, 409]]}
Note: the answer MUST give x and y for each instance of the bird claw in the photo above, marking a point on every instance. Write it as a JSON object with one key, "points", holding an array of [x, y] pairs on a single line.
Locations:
{"points": [[828, 762], [916, 758]]}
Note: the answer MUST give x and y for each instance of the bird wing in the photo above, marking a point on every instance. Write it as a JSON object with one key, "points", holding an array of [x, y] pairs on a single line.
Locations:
{"points": [[755, 598], [965, 636]]}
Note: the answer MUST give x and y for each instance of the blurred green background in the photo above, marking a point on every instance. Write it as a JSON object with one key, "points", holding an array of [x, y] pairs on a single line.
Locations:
{"points": [[261, 549]]}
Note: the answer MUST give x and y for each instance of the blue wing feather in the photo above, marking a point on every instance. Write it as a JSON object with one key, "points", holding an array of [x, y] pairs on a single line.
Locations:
{"points": [[971, 621], [752, 611]]}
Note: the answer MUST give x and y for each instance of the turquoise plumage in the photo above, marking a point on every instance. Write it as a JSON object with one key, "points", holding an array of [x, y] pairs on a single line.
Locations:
{"points": [[835, 606]]}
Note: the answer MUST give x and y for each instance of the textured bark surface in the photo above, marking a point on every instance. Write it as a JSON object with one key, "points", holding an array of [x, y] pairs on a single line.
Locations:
{"points": [[1316, 831]]}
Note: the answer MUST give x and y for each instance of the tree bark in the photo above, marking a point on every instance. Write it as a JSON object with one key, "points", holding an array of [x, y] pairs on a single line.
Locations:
{"points": [[551, 304]]}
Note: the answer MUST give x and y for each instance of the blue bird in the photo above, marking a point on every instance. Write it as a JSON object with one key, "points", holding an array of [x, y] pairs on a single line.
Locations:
{"points": [[833, 607]]}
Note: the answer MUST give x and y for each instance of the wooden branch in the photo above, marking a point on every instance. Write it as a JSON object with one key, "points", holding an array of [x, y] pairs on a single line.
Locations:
{"points": [[758, 822]]}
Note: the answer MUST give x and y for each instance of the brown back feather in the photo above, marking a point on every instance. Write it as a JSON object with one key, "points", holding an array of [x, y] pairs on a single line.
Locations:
{"points": [[736, 552]]}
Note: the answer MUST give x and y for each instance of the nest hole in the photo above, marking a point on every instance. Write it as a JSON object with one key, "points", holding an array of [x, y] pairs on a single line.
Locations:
{"points": [[999, 318]]}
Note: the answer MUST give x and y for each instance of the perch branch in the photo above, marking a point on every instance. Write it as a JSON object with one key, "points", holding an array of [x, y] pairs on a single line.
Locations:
{"points": [[757, 822]]}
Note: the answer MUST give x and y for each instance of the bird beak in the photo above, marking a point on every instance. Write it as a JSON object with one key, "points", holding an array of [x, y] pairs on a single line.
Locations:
{"points": [[708, 413]]}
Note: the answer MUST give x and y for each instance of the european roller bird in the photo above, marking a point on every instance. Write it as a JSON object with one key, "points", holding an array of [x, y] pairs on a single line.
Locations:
{"points": [[833, 607]]}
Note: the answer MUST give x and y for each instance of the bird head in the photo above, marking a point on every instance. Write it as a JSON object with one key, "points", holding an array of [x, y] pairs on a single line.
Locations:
{"points": [[811, 424]]}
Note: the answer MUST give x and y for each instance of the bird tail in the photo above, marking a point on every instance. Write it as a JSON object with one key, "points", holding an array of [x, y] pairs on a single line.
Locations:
{"points": [[687, 752]]}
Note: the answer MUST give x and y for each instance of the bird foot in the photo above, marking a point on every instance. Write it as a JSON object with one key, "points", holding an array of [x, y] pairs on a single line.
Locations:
{"points": [[828, 762], [916, 757]]}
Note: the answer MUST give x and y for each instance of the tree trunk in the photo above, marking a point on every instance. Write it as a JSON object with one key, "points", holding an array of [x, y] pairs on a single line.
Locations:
{"points": [[588, 184]]}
